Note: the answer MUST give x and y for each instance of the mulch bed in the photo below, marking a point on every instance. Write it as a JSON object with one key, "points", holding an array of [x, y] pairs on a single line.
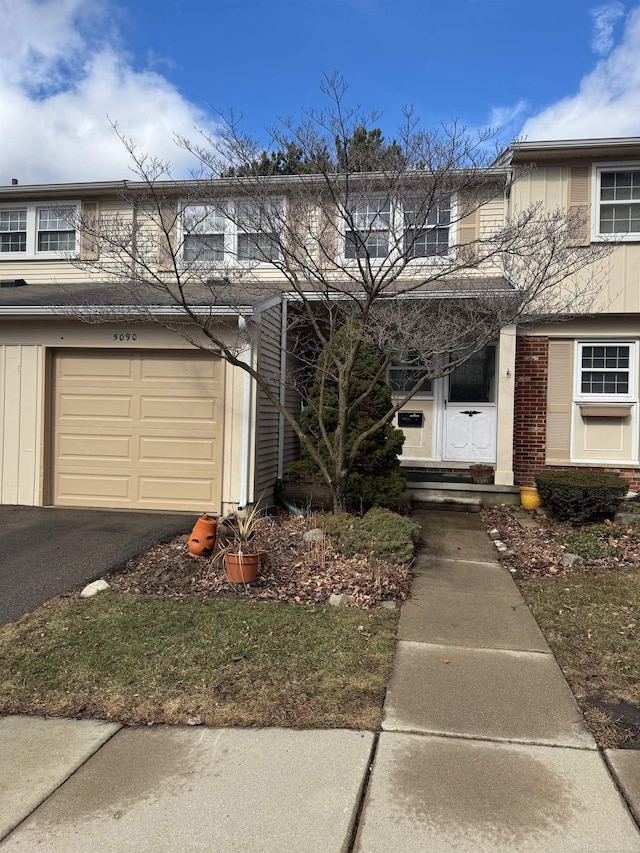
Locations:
{"points": [[292, 571], [534, 553]]}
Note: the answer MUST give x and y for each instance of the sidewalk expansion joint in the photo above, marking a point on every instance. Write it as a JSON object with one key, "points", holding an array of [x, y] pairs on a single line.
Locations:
{"points": [[519, 652], [485, 739], [362, 795], [460, 560], [57, 788]]}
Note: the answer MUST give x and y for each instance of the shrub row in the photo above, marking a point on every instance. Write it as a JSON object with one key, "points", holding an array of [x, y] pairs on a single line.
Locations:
{"points": [[582, 496]]}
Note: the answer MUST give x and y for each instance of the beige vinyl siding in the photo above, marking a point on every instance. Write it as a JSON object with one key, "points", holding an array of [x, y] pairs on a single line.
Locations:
{"points": [[21, 383], [618, 276], [268, 419], [559, 401], [56, 271]]}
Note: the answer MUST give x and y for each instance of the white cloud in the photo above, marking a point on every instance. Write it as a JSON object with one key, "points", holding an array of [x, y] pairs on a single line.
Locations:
{"points": [[62, 72], [604, 20], [607, 103]]}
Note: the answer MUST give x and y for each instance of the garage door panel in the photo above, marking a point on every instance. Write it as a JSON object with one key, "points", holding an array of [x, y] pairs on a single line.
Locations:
{"points": [[192, 450], [91, 366], [174, 409], [97, 489], [143, 432], [181, 366], [95, 448], [93, 406], [181, 490]]}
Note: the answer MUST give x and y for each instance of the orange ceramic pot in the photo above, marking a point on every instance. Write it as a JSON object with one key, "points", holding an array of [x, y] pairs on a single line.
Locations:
{"points": [[203, 536], [241, 568]]}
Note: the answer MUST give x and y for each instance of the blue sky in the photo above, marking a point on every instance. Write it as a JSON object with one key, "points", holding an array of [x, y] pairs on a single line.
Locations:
{"points": [[547, 69]]}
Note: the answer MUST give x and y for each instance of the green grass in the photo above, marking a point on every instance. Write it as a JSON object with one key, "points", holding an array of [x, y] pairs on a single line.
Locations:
{"points": [[141, 659], [592, 623], [591, 542]]}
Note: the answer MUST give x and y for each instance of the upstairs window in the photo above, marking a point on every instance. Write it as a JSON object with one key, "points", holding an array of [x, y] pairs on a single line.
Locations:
{"points": [[34, 230], [380, 229], [230, 232], [13, 230], [203, 238], [371, 221], [256, 240], [618, 203], [55, 231], [426, 233]]}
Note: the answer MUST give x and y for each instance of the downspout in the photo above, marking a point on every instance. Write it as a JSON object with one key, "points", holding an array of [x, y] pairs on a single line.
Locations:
{"points": [[283, 397], [245, 465]]}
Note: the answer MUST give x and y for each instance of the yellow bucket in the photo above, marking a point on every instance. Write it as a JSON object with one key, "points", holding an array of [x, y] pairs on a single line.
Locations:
{"points": [[529, 497]]}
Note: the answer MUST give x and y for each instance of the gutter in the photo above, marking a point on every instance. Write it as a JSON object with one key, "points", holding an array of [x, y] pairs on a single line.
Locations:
{"points": [[283, 368], [117, 311]]}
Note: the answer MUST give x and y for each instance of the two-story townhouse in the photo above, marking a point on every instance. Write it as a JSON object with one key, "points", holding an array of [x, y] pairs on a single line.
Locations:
{"points": [[128, 413], [576, 393]]}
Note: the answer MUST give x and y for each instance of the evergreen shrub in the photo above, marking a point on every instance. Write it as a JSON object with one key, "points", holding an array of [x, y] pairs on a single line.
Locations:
{"points": [[582, 496], [380, 533]]}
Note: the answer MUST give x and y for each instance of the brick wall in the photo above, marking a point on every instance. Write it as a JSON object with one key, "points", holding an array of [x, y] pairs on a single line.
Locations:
{"points": [[530, 412]]}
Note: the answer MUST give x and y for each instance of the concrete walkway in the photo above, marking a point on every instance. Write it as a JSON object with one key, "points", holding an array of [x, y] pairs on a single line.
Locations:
{"points": [[483, 748]]}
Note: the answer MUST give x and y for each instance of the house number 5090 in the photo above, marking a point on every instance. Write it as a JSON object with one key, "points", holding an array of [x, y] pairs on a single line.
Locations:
{"points": [[125, 336]]}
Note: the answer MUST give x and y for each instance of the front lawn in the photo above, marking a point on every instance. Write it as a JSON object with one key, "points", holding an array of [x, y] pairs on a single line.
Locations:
{"points": [[589, 612], [144, 659]]}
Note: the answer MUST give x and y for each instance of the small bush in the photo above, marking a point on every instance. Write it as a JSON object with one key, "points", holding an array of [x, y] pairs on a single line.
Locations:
{"points": [[382, 534], [582, 496]]}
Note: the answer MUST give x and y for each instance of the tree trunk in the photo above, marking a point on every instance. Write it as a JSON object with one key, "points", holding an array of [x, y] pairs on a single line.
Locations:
{"points": [[339, 493]]}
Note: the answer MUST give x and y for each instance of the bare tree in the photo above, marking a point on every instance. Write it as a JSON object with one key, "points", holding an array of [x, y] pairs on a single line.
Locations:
{"points": [[408, 238]]}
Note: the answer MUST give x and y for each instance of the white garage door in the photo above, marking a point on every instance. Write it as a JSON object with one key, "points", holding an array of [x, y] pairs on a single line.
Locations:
{"points": [[137, 430]]}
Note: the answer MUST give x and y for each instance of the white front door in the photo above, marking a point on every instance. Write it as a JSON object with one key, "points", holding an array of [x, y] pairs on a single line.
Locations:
{"points": [[470, 410]]}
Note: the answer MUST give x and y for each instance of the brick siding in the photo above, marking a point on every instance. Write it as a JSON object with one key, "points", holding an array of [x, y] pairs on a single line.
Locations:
{"points": [[530, 410]]}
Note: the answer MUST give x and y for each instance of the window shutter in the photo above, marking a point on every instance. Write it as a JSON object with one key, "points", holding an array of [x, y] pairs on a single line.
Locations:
{"points": [[468, 233], [559, 400], [167, 237], [580, 204], [89, 246]]}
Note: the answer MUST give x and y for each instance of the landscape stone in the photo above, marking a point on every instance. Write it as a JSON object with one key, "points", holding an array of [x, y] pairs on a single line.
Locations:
{"points": [[389, 605], [94, 588], [315, 535], [572, 559], [340, 599], [627, 518], [494, 534]]}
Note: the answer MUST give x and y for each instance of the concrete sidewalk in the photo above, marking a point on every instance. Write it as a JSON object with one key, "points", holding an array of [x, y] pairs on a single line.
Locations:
{"points": [[483, 748], [483, 745]]}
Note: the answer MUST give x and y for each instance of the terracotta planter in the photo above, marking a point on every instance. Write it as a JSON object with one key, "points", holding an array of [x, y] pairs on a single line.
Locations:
{"points": [[203, 536], [241, 568], [529, 497]]}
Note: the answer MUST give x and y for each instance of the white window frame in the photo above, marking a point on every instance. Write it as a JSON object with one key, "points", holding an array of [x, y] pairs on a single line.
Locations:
{"points": [[596, 183], [632, 394], [397, 229], [231, 231], [33, 210], [425, 393]]}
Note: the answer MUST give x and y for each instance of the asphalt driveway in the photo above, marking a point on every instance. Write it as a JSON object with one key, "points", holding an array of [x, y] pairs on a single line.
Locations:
{"points": [[45, 551]]}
